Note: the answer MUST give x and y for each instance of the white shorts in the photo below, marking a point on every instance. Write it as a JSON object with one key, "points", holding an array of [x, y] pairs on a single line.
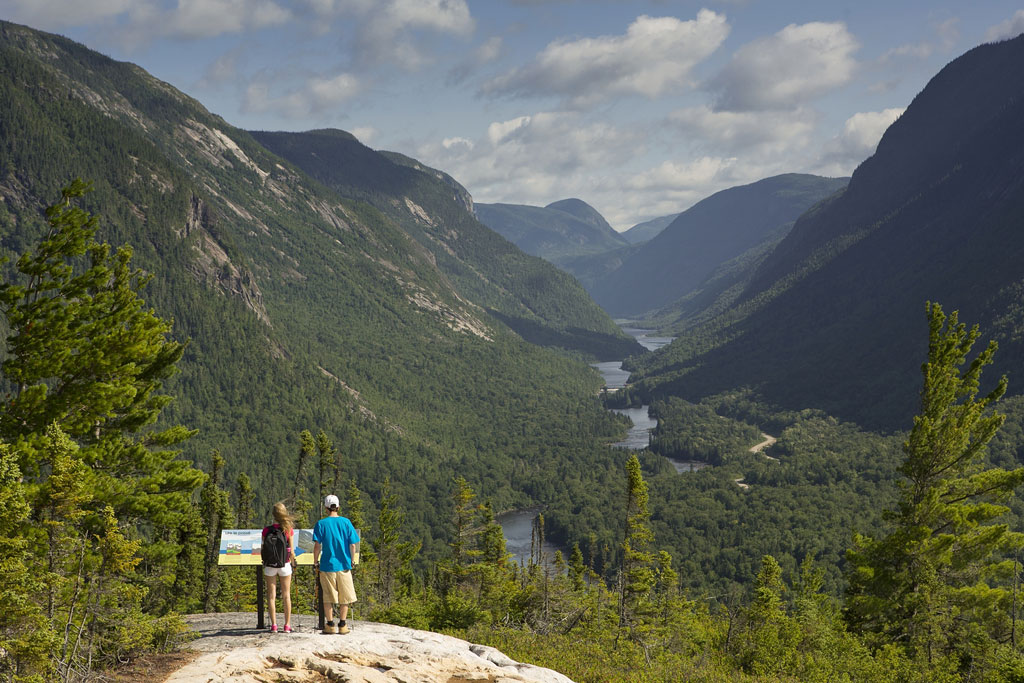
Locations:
{"points": [[286, 570]]}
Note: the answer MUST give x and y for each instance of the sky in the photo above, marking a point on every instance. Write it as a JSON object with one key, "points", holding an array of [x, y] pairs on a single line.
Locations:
{"points": [[639, 108]]}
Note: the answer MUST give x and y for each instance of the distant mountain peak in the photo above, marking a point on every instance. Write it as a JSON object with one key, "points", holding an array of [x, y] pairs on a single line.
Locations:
{"points": [[557, 232], [580, 209], [834, 316]]}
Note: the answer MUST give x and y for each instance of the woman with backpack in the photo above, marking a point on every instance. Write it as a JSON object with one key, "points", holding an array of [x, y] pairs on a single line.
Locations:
{"points": [[278, 554]]}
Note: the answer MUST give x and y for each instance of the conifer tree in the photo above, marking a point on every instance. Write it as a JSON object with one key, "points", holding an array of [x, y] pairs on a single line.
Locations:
{"points": [[215, 509], [768, 645], [354, 503], [84, 354], [465, 528], [393, 555], [329, 461], [243, 498], [577, 570], [301, 507], [26, 638], [932, 584], [637, 574]]}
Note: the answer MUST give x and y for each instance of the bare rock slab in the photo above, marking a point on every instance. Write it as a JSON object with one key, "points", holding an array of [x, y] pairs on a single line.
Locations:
{"points": [[234, 650]]}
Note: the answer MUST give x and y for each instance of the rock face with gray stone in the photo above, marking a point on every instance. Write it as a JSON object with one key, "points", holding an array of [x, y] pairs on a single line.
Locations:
{"points": [[232, 649]]}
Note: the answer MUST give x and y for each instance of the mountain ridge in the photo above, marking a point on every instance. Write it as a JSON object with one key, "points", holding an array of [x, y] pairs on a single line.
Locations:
{"points": [[557, 232], [307, 309], [929, 217], [716, 229]]}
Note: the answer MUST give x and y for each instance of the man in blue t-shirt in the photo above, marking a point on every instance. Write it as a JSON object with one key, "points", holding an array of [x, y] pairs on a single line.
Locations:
{"points": [[333, 537]]}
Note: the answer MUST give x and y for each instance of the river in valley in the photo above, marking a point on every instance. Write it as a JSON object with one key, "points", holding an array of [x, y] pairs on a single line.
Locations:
{"points": [[518, 524], [615, 378]]}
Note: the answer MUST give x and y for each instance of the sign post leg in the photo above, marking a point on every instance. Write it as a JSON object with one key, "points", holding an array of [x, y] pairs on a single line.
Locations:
{"points": [[259, 597], [319, 601]]}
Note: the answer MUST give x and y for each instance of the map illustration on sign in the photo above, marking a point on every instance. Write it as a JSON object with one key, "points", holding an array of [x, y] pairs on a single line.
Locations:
{"points": [[242, 546]]}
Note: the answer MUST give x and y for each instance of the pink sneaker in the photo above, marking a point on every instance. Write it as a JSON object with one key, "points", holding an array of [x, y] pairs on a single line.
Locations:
{"points": [[287, 628], [273, 628]]}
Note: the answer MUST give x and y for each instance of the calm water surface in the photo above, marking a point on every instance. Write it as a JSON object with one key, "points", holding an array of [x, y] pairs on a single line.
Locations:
{"points": [[615, 378], [518, 525], [518, 529]]}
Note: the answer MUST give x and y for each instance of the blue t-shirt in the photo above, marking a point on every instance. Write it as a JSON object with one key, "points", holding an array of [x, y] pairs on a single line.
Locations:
{"points": [[334, 534]]}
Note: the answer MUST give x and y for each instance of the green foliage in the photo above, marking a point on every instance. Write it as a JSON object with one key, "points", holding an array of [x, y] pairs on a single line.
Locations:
{"points": [[688, 431], [305, 305], [637, 571], [937, 583], [215, 509], [95, 479], [392, 556], [25, 637]]}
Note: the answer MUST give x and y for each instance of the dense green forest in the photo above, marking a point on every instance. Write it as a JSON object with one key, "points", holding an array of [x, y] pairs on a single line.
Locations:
{"points": [[406, 336], [214, 327], [111, 535]]}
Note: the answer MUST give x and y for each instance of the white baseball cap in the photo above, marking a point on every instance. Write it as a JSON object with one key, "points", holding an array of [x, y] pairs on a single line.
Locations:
{"points": [[331, 501]]}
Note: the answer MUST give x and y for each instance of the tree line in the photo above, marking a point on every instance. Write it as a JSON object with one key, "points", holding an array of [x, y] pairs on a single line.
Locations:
{"points": [[108, 532]]}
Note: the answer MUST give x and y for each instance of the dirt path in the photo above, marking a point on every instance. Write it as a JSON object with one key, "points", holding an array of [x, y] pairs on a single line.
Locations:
{"points": [[768, 441]]}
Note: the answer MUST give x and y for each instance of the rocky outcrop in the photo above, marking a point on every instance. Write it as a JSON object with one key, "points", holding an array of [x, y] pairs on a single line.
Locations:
{"points": [[213, 265], [234, 650]]}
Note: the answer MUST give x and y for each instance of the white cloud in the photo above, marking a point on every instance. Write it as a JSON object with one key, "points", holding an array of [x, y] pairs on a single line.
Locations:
{"points": [[670, 176], [668, 187], [856, 142], [749, 133], [137, 22], [655, 56], [444, 16], [922, 50], [489, 51], [318, 94], [499, 130], [50, 14], [534, 159], [786, 70], [947, 34], [1010, 28], [449, 143], [364, 133], [326, 92], [209, 18], [390, 28]]}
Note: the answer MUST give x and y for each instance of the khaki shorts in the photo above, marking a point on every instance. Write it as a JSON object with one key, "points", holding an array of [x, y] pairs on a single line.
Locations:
{"points": [[338, 588]]}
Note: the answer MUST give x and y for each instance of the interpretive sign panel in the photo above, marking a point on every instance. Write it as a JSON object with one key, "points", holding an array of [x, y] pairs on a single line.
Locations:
{"points": [[242, 546]]}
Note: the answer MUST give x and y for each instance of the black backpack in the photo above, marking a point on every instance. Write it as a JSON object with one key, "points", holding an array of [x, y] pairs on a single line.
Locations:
{"points": [[275, 548]]}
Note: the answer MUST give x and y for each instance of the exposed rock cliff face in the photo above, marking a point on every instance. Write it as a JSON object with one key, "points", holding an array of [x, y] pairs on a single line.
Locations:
{"points": [[212, 264], [234, 650]]}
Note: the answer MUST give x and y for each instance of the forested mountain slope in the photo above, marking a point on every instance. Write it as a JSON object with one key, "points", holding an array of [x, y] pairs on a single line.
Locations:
{"points": [[556, 232], [306, 309], [713, 231], [534, 298], [833, 318]]}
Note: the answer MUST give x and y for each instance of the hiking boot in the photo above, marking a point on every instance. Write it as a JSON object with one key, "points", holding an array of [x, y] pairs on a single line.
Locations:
{"points": [[343, 629], [329, 627]]}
